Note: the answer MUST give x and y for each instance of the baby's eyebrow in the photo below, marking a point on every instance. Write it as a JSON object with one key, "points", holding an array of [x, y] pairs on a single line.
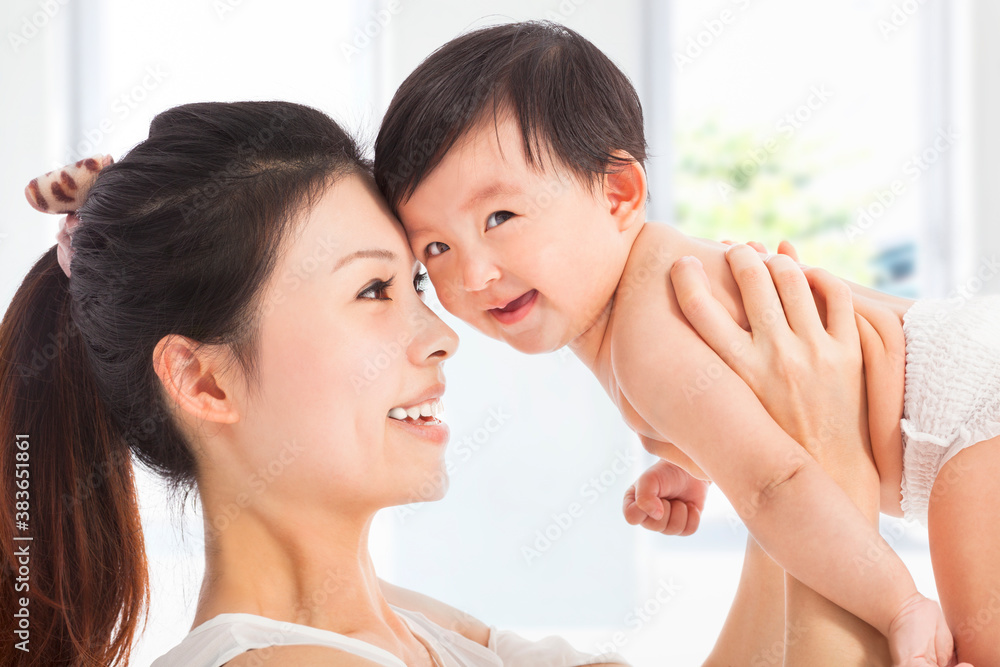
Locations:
{"points": [[489, 192]]}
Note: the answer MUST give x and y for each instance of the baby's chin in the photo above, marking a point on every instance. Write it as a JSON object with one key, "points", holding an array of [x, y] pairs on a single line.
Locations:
{"points": [[540, 340], [534, 342]]}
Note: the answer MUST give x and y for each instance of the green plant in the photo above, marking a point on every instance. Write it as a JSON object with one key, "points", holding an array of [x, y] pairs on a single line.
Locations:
{"points": [[736, 185]]}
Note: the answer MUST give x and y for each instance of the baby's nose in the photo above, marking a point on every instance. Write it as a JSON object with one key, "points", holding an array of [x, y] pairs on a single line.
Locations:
{"points": [[478, 273]]}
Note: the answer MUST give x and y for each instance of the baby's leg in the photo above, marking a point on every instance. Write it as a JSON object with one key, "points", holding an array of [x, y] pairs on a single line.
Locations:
{"points": [[965, 549]]}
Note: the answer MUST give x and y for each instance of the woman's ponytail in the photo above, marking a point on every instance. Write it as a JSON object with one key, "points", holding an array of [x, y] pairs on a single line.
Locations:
{"points": [[180, 237], [74, 579]]}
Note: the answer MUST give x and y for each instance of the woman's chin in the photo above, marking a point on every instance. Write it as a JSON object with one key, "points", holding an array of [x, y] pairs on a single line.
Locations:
{"points": [[434, 487], [434, 497]]}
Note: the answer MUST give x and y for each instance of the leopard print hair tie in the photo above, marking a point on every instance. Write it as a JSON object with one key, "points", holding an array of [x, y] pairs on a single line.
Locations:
{"points": [[64, 191]]}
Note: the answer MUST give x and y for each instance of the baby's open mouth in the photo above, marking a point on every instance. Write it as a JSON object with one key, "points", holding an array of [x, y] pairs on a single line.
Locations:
{"points": [[516, 309]]}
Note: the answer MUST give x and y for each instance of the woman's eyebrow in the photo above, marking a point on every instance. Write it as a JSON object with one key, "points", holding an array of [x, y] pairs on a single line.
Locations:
{"points": [[372, 253]]}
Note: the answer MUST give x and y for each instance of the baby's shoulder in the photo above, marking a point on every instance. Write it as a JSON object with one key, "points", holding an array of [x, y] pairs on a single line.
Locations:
{"points": [[647, 269], [645, 310]]}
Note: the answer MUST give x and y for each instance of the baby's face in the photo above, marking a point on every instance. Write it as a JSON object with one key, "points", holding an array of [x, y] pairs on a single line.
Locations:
{"points": [[526, 256]]}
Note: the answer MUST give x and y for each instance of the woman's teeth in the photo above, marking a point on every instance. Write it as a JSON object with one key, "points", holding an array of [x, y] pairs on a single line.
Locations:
{"points": [[426, 409]]}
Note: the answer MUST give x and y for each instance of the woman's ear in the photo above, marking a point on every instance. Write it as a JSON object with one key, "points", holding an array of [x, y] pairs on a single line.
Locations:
{"points": [[192, 377], [625, 191]]}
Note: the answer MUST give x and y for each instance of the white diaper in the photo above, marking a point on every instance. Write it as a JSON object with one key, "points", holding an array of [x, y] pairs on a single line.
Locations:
{"points": [[952, 392]]}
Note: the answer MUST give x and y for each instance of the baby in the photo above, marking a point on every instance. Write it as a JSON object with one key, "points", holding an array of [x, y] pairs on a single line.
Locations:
{"points": [[514, 157]]}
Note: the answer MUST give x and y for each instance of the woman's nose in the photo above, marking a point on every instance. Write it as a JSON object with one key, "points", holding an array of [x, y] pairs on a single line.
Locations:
{"points": [[433, 340]]}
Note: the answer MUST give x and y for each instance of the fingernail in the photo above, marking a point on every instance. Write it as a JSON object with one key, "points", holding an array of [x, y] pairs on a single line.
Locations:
{"points": [[691, 259]]}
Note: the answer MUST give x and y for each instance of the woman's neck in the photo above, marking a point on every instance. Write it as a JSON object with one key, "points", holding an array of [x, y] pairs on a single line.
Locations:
{"points": [[310, 569]]}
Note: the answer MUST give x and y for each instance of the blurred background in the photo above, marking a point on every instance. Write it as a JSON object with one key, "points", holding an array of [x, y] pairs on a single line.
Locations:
{"points": [[860, 130]]}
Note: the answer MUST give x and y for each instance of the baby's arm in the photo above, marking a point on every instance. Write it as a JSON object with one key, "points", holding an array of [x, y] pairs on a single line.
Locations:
{"points": [[796, 355], [795, 510]]}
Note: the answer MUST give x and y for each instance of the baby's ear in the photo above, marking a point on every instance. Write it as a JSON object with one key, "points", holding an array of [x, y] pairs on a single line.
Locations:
{"points": [[624, 191]]}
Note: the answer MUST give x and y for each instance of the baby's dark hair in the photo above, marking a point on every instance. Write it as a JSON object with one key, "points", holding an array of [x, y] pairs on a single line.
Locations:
{"points": [[570, 100]]}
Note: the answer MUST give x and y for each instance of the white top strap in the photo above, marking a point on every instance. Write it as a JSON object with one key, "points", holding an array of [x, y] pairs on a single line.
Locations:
{"points": [[222, 638]]}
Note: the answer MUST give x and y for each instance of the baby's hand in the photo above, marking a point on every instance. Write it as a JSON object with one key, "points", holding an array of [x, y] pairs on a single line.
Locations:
{"points": [[666, 499], [919, 635]]}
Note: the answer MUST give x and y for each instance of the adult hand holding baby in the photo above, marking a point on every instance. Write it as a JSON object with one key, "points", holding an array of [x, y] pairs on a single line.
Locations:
{"points": [[801, 367], [802, 358]]}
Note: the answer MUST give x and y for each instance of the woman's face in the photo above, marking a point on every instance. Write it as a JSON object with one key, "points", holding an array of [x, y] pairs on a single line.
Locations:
{"points": [[345, 338]]}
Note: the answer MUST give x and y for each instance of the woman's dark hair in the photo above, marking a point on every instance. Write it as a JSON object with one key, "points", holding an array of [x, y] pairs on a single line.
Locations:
{"points": [[567, 96], [179, 237]]}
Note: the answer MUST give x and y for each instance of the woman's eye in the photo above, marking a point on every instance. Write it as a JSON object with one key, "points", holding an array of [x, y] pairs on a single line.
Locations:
{"points": [[421, 282], [498, 218], [377, 290], [436, 248]]}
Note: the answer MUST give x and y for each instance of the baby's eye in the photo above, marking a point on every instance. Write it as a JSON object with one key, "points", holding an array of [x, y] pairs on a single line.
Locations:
{"points": [[436, 248], [498, 218], [421, 282]]}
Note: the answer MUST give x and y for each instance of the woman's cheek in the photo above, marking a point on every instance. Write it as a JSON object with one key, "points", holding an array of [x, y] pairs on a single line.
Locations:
{"points": [[377, 355]]}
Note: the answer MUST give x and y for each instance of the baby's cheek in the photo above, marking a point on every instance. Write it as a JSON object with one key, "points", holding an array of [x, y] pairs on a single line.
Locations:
{"points": [[461, 308], [451, 295], [447, 290]]}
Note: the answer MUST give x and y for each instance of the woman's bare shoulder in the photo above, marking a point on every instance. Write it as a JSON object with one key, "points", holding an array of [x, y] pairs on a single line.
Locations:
{"points": [[298, 656], [438, 612]]}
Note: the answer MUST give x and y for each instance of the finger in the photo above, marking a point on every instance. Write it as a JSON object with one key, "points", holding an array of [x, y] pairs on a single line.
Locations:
{"points": [[760, 298], [653, 507], [728, 241], [647, 495], [796, 296], [635, 516], [838, 300], [693, 520], [678, 518], [708, 317], [786, 248], [758, 246], [655, 525], [944, 646]]}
